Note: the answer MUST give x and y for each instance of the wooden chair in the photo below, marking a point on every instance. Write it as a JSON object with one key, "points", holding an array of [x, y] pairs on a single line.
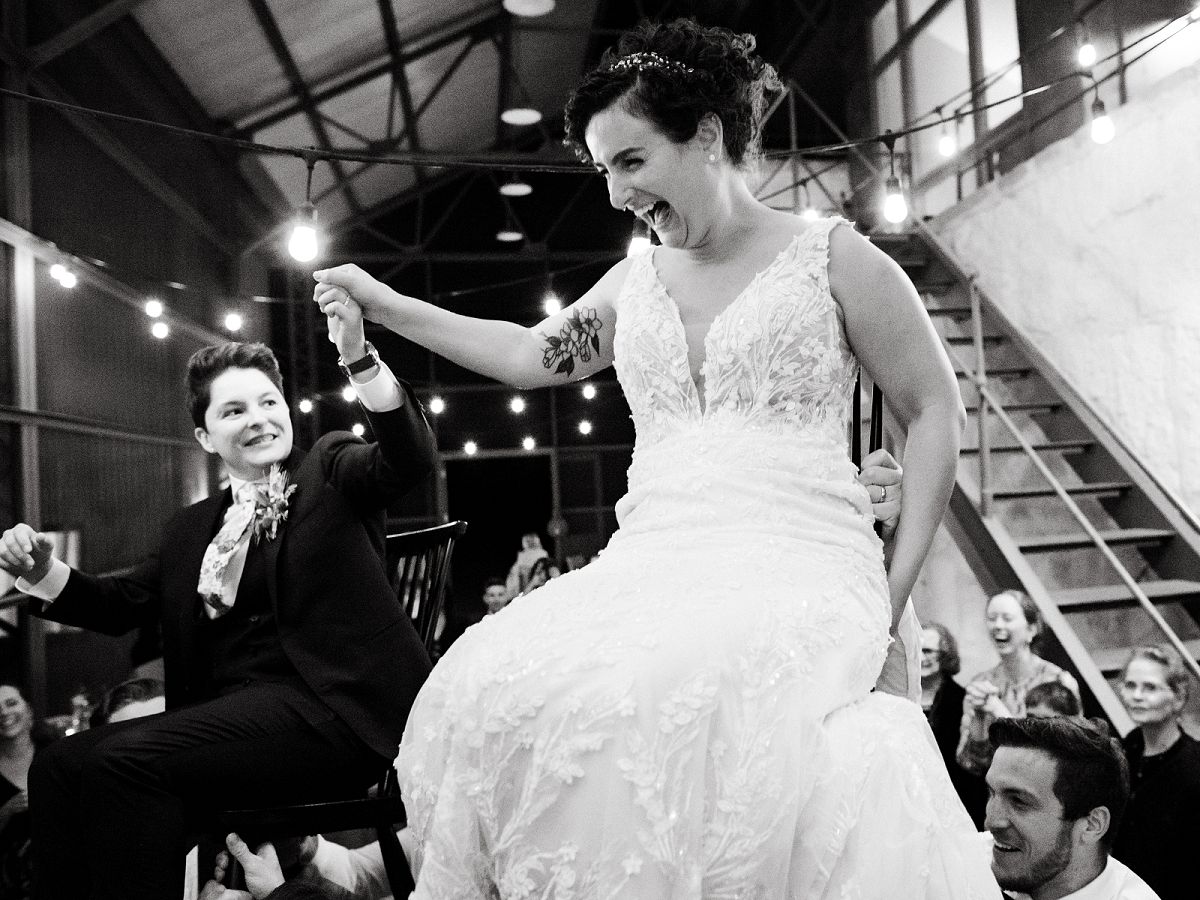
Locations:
{"points": [[419, 563]]}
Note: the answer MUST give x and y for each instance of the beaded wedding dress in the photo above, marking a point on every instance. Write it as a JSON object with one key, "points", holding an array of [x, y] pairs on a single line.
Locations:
{"points": [[690, 716]]}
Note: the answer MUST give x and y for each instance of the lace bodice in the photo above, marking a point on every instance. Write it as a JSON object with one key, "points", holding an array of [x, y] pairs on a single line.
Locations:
{"points": [[775, 358]]}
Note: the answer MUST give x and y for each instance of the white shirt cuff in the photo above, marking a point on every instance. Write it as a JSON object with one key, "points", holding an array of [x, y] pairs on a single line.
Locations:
{"points": [[51, 585], [382, 393], [332, 861]]}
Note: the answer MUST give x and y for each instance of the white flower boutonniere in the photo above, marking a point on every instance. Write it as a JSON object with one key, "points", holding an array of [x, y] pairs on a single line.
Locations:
{"points": [[271, 504]]}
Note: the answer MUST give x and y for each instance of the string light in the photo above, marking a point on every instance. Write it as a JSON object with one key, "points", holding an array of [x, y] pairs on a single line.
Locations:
{"points": [[585, 427], [551, 304], [304, 245], [349, 394], [233, 321], [63, 275], [517, 404], [57, 271], [1087, 55], [357, 429], [305, 406], [1103, 129], [528, 443], [470, 448], [437, 405], [160, 330], [589, 392], [948, 141], [809, 213], [895, 207], [154, 308]]}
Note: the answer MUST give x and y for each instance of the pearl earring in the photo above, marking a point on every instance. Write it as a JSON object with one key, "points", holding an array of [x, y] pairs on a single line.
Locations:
{"points": [[712, 157]]}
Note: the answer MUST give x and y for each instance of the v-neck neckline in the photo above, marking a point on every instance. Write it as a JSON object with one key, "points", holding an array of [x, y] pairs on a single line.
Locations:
{"points": [[701, 393]]}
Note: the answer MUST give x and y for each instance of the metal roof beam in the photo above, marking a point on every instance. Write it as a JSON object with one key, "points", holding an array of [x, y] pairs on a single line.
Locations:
{"points": [[473, 28], [83, 30]]}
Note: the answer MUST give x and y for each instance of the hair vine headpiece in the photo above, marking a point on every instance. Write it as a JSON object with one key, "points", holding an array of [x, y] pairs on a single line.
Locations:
{"points": [[648, 59]]}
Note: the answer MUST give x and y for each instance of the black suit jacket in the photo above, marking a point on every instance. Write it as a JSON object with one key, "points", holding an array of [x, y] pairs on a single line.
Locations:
{"points": [[339, 620]]}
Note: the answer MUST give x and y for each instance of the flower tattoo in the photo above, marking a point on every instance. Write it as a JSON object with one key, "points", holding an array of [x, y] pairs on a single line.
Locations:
{"points": [[578, 338]]}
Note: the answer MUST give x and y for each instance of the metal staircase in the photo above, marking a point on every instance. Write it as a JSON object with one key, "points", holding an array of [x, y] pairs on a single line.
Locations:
{"points": [[1049, 500]]}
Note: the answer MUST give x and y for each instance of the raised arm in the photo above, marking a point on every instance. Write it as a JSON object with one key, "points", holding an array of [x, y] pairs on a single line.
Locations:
{"points": [[894, 340], [572, 344]]}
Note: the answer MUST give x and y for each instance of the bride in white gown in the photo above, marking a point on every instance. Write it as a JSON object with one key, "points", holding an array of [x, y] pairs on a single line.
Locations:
{"points": [[691, 715]]}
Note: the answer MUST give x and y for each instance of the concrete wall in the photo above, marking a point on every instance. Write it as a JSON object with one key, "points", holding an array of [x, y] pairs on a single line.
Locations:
{"points": [[1095, 252]]}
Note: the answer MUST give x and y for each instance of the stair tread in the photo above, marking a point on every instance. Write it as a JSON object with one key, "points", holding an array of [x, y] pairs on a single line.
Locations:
{"points": [[1120, 595], [1110, 660], [1024, 406], [1046, 542], [1007, 369], [1081, 444], [967, 340], [1095, 487], [948, 310]]}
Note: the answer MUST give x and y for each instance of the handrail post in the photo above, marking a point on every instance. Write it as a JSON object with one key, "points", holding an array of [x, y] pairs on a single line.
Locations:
{"points": [[980, 381]]}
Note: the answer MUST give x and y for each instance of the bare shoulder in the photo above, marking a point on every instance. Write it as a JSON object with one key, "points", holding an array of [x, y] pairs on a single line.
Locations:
{"points": [[858, 270]]}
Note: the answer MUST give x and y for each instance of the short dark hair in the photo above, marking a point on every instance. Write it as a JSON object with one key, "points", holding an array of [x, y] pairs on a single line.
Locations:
{"points": [[1091, 772], [727, 79], [135, 690], [494, 581], [1054, 695], [209, 362], [948, 659]]}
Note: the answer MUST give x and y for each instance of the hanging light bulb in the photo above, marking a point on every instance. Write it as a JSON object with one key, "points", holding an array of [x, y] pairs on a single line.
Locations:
{"points": [[1086, 54], [233, 321], [357, 429], [349, 394], [69, 279], [895, 207], [57, 271], [302, 245], [305, 406], [517, 404], [528, 443], [589, 392], [437, 405], [160, 330], [515, 187], [551, 304], [585, 427], [154, 308], [948, 140], [808, 211], [508, 235], [470, 448], [1103, 129]]}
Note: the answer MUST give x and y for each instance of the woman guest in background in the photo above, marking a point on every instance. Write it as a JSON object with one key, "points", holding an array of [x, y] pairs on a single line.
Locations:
{"points": [[16, 754], [665, 723], [1013, 623], [1160, 835], [942, 699]]}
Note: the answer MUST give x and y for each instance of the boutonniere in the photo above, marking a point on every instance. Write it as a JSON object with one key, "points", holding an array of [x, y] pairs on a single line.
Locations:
{"points": [[271, 504]]}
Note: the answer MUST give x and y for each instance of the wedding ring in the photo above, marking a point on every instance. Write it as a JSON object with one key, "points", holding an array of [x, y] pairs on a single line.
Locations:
{"points": [[882, 493]]}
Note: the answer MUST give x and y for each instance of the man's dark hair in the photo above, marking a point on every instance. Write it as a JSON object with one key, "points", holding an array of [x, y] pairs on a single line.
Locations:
{"points": [[209, 362], [1091, 770], [494, 581], [135, 690]]}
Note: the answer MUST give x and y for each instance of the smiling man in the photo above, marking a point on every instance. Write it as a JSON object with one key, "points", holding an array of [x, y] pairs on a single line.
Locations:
{"points": [[1057, 789], [289, 665]]}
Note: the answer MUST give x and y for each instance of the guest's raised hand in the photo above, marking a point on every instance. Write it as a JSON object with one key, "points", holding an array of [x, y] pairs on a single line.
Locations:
{"points": [[352, 282], [263, 872], [25, 553], [883, 478], [979, 694]]}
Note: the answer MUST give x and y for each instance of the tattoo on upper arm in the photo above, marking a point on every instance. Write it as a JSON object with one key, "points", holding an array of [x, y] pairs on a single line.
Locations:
{"points": [[578, 338]]}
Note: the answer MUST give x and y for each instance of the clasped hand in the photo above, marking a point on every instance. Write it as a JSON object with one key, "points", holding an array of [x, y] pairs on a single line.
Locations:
{"points": [[25, 553]]}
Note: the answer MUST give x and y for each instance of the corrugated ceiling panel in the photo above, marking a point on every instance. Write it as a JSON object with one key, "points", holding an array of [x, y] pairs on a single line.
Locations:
{"points": [[326, 38], [377, 183], [219, 51], [362, 110], [463, 116]]}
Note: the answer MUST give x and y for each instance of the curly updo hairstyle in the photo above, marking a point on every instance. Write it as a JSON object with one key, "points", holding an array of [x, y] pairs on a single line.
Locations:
{"points": [[727, 79]]}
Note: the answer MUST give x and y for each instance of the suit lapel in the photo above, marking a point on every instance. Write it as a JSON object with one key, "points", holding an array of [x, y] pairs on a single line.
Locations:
{"points": [[270, 549]]}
